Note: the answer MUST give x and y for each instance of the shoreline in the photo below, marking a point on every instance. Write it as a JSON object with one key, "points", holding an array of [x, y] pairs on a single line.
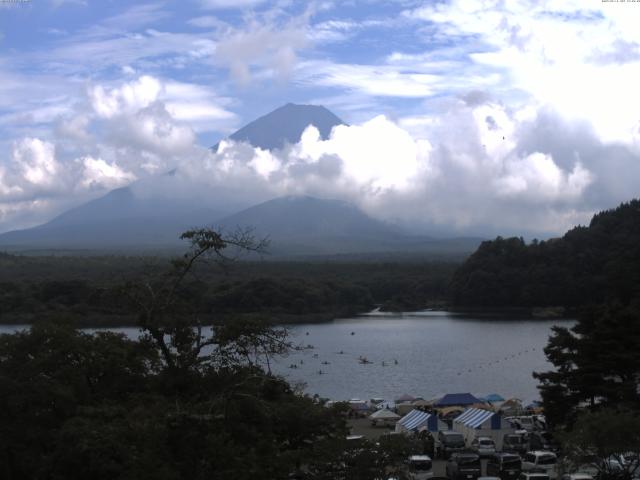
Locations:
{"points": [[481, 313]]}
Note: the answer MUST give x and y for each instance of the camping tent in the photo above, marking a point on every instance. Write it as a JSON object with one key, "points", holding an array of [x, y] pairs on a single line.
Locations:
{"points": [[513, 406], [405, 398], [416, 419], [493, 398], [450, 412], [476, 422], [383, 417], [457, 400]]}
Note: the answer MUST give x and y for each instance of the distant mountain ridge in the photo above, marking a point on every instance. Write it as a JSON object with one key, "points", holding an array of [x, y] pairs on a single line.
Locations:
{"points": [[118, 219]]}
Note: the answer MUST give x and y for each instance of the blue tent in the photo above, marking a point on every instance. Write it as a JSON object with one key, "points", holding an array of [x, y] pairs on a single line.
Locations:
{"points": [[457, 400]]}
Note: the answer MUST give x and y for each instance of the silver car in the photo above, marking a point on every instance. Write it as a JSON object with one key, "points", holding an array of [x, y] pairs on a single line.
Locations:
{"points": [[483, 446]]}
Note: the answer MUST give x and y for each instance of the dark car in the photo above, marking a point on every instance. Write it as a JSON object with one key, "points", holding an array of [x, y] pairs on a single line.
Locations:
{"points": [[515, 443], [449, 442], [507, 466], [543, 441], [464, 466]]}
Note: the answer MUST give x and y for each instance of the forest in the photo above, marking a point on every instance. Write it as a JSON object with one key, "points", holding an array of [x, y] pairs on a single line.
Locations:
{"points": [[588, 265], [89, 288]]}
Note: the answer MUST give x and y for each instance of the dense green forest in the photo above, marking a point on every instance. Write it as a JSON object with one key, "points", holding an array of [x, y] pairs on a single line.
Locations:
{"points": [[589, 264], [89, 288]]}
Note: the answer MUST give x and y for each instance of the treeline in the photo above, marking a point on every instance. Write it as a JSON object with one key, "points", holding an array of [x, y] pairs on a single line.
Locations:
{"points": [[588, 265], [34, 288]]}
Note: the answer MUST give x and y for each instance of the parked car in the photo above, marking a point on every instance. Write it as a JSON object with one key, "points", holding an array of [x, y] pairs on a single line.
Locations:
{"points": [[507, 466], [515, 442], [420, 467], [543, 441], [533, 476], [484, 446], [449, 442], [523, 422], [576, 476], [464, 466], [541, 461]]}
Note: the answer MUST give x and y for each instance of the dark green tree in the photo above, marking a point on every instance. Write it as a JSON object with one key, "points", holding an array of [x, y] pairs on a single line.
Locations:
{"points": [[606, 441], [597, 364]]}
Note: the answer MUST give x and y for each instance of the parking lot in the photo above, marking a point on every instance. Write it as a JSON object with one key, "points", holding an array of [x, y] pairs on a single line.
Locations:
{"points": [[362, 426]]}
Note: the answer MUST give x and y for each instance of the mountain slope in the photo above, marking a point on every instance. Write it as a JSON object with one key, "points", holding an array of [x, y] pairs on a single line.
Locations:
{"points": [[285, 125], [302, 216], [119, 219], [308, 226]]}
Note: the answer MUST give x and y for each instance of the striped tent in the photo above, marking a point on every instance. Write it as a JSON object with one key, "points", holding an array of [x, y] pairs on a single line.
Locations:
{"points": [[476, 422], [474, 417], [415, 420]]}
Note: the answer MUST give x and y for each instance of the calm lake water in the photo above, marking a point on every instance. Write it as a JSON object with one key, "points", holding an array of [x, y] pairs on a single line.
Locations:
{"points": [[436, 353]]}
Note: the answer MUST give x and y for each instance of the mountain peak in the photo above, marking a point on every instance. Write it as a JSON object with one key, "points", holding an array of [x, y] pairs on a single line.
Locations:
{"points": [[285, 125]]}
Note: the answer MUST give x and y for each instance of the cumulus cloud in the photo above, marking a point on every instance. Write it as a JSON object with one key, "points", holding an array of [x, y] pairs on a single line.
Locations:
{"points": [[35, 162], [117, 134], [582, 59], [447, 180], [99, 175], [130, 97]]}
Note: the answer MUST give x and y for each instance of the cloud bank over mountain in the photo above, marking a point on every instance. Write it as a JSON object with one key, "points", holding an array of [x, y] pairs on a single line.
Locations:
{"points": [[477, 163]]}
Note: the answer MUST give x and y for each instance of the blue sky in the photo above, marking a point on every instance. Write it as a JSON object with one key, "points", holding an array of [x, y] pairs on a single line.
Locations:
{"points": [[488, 112]]}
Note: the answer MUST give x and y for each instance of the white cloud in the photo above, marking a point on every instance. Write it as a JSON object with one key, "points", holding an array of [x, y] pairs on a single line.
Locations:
{"points": [[153, 129], [101, 175], [372, 80], [35, 161], [538, 178], [377, 154], [130, 97], [269, 45], [576, 57]]}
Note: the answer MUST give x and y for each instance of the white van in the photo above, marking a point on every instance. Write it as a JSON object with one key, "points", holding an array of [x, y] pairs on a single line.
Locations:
{"points": [[541, 461], [420, 467]]}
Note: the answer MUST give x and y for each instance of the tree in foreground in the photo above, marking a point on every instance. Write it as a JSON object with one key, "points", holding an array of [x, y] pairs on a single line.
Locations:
{"points": [[183, 402], [597, 364], [606, 442]]}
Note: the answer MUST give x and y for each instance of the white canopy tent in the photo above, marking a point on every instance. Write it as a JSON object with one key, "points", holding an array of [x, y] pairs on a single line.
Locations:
{"points": [[384, 417]]}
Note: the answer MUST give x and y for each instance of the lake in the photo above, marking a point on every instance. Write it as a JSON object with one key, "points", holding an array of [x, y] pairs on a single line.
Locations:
{"points": [[436, 353]]}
